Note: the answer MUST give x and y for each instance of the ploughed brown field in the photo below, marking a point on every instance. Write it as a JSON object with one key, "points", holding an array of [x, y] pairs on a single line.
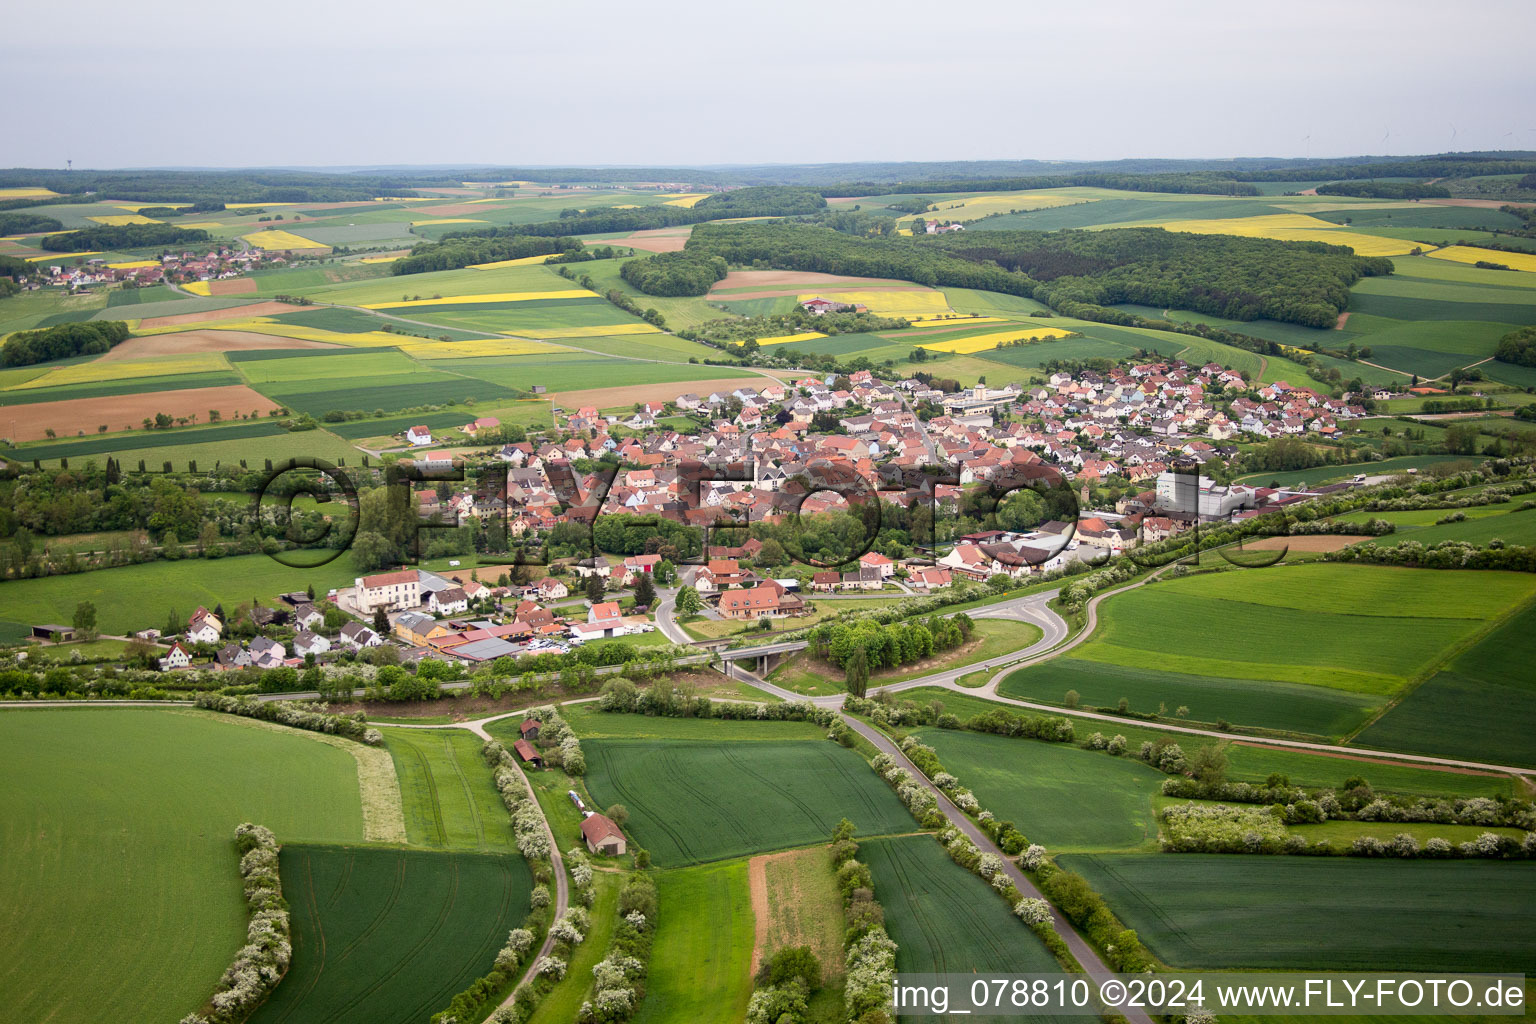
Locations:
{"points": [[1316, 542], [653, 239], [233, 286], [232, 313], [127, 412], [203, 341]]}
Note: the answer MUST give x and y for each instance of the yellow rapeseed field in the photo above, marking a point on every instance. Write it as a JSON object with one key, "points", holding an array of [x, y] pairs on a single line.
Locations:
{"points": [[976, 207], [26, 193], [203, 288], [688, 199], [588, 332], [522, 262], [123, 369], [1472, 254], [784, 339], [953, 318], [134, 264], [206, 225], [379, 259], [1294, 227], [276, 239], [478, 347], [488, 299], [62, 256], [889, 302], [984, 342], [119, 219], [136, 207]]}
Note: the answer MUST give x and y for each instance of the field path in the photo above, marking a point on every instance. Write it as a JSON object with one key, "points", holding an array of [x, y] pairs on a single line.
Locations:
{"points": [[1085, 954]]}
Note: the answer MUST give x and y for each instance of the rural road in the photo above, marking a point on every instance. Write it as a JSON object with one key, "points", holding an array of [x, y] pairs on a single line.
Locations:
{"points": [[1085, 954]]}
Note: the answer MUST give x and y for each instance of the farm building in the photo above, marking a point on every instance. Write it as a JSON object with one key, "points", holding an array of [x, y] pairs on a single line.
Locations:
{"points": [[52, 631], [388, 590], [530, 728], [602, 835], [527, 754]]}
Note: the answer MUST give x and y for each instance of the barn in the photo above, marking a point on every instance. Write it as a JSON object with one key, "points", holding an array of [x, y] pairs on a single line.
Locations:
{"points": [[527, 754], [602, 835]]}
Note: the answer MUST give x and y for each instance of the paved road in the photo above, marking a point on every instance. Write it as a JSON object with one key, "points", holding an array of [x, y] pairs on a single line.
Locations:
{"points": [[1085, 954]]}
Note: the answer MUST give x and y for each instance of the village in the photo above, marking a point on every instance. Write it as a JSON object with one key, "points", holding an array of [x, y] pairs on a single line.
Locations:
{"points": [[1145, 433]]}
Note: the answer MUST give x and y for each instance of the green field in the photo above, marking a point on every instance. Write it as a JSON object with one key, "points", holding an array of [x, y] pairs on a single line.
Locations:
{"points": [[702, 801], [1248, 762], [564, 1000], [122, 841], [573, 371], [1338, 913], [1319, 475], [943, 918], [446, 790], [1057, 794], [134, 597], [1363, 629], [1481, 706], [702, 952], [389, 936], [1293, 707]]}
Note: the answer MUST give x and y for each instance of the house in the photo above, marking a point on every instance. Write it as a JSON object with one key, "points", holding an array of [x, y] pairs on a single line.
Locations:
{"points": [[530, 728], [452, 601], [551, 589], [305, 642], [179, 657], [307, 616], [825, 581], [875, 560], [606, 617], [526, 753], [418, 436], [719, 574], [232, 656], [642, 563], [267, 653], [598, 567], [766, 600], [357, 636], [416, 629], [862, 578], [391, 591], [204, 627], [602, 835], [929, 579]]}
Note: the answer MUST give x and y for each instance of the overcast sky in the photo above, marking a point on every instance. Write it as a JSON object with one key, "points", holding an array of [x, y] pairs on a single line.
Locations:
{"points": [[315, 82]]}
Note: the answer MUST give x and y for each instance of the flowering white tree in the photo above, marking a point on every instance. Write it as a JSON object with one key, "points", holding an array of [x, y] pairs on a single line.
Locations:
{"points": [[1033, 857], [1032, 910]]}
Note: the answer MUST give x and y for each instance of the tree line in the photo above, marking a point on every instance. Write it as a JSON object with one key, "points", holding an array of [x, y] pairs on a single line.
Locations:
{"points": [[1517, 347], [453, 253], [27, 223], [112, 237], [766, 201], [1194, 182]]}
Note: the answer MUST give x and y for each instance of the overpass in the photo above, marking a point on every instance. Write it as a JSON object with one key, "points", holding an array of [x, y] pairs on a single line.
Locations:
{"points": [[767, 656]]}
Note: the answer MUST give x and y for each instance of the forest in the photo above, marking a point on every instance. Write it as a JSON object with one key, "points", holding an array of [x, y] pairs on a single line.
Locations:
{"points": [[1384, 190], [1077, 273], [27, 347], [1198, 182], [674, 273], [118, 237], [1518, 347], [27, 223], [231, 187], [796, 321], [455, 252]]}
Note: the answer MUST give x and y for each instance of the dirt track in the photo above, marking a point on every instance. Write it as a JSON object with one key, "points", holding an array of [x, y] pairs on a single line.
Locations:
{"points": [[203, 341], [126, 412]]}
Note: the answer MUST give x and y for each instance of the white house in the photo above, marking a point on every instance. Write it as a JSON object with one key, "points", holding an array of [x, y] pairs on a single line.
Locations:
{"points": [[452, 601], [178, 657], [357, 636], [419, 436], [388, 590], [305, 642]]}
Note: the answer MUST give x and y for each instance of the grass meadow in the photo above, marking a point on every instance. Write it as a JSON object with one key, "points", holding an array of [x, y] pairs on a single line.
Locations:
{"points": [[1059, 795], [134, 597], [389, 936], [122, 840], [446, 791], [1217, 912], [702, 953]]}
